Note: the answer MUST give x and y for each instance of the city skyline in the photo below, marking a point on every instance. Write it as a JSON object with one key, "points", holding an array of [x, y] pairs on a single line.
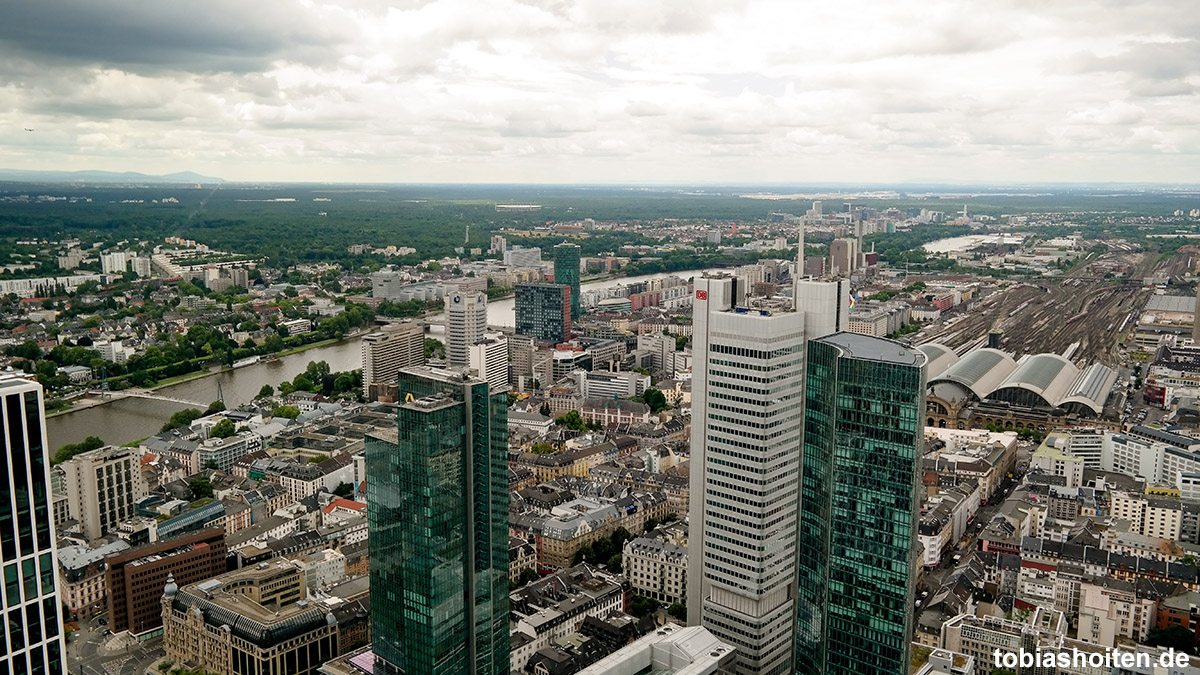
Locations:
{"points": [[451, 91]]}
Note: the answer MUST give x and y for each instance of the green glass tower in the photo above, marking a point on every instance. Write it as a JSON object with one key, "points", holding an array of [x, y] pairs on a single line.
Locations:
{"points": [[856, 571], [566, 271], [438, 527]]}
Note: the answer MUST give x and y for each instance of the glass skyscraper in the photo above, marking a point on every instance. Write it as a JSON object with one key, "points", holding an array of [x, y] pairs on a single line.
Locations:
{"points": [[544, 311], [438, 527], [27, 553], [856, 573], [566, 271]]}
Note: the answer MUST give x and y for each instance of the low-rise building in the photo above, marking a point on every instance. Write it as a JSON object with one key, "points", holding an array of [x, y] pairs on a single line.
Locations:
{"points": [[656, 568]]}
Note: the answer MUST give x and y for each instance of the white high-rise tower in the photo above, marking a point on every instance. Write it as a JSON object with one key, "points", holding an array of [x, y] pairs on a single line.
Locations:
{"points": [[466, 322], [747, 438]]}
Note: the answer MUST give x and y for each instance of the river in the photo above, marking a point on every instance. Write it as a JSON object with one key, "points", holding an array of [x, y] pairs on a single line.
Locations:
{"points": [[130, 419]]}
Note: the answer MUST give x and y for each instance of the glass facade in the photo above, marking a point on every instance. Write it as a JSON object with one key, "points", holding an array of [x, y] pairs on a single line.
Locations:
{"points": [[859, 505], [27, 554], [566, 271], [544, 311], [438, 527]]}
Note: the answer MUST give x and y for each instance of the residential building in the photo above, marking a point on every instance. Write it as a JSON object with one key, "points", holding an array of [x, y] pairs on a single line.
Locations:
{"points": [[136, 577], [252, 620], [438, 528], [81, 575], [544, 311], [386, 351], [27, 535], [556, 606], [566, 271], [520, 256], [102, 486], [863, 436], [656, 568], [744, 496], [466, 322], [521, 556]]}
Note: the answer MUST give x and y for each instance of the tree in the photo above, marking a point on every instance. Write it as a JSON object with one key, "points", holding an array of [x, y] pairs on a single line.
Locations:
{"points": [[222, 429], [642, 606], [266, 391], [289, 411], [1175, 636], [182, 418], [655, 399], [678, 611], [571, 420], [545, 409], [215, 407], [68, 451], [201, 487], [542, 449], [527, 576], [1001, 671], [680, 342], [614, 563], [433, 347], [343, 490]]}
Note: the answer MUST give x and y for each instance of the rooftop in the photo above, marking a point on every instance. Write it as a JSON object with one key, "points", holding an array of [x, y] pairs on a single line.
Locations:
{"points": [[869, 348]]}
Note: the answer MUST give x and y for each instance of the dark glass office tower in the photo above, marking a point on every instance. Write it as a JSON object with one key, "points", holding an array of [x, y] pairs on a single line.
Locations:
{"points": [[856, 575], [27, 553], [438, 527], [566, 271], [544, 311]]}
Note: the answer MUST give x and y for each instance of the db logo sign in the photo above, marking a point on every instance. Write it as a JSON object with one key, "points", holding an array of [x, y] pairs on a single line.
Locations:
{"points": [[701, 295]]}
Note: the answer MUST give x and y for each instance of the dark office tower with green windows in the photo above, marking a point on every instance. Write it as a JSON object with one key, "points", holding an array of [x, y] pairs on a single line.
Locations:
{"points": [[566, 271], [27, 554], [856, 570], [438, 527]]}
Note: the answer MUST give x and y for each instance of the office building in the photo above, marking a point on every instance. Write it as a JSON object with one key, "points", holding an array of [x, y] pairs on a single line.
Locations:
{"points": [[489, 361], [566, 271], [856, 572], [27, 537], [747, 431], [466, 322], [102, 487], [136, 577], [438, 526], [544, 311], [670, 649], [253, 620], [843, 254], [519, 256], [385, 352]]}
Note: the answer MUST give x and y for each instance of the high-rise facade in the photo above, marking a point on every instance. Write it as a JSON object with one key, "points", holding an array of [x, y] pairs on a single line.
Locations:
{"points": [[438, 526], [384, 353], [856, 569], [27, 539], [102, 486], [566, 271], [747, 433], [544, 311], [489, 361], [466, 322]]}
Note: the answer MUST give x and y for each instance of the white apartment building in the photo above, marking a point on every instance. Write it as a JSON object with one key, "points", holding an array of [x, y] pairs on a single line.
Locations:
{"points": [[747, 431], [385, 352]]}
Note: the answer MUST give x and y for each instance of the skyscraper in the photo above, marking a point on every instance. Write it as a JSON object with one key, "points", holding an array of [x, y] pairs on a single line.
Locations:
{"points": [[384, 353], [566, 271], [747, 432], [102, 486], [27, 539], [544, 311], [438, 526], [466, 322], [856, 569]]}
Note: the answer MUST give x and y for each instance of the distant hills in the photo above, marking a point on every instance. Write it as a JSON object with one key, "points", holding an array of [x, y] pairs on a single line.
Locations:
{"points": [[102, 177]]}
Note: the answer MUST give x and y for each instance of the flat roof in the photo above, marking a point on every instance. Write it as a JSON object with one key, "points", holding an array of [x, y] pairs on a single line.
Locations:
{"points": [[869, 348]]}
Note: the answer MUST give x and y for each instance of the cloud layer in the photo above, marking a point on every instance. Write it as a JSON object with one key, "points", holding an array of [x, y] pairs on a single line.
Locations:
{"points": [[606, 90]]}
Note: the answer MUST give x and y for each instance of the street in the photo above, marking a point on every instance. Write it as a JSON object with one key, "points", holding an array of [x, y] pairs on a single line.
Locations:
{"points": [[87, 654]]}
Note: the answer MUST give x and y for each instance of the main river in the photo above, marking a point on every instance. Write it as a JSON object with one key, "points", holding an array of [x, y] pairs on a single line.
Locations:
{"points": [[130, 419]]}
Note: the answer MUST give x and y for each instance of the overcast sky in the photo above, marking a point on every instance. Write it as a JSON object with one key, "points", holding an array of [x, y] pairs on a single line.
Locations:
{"points": [[606, 90]]}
